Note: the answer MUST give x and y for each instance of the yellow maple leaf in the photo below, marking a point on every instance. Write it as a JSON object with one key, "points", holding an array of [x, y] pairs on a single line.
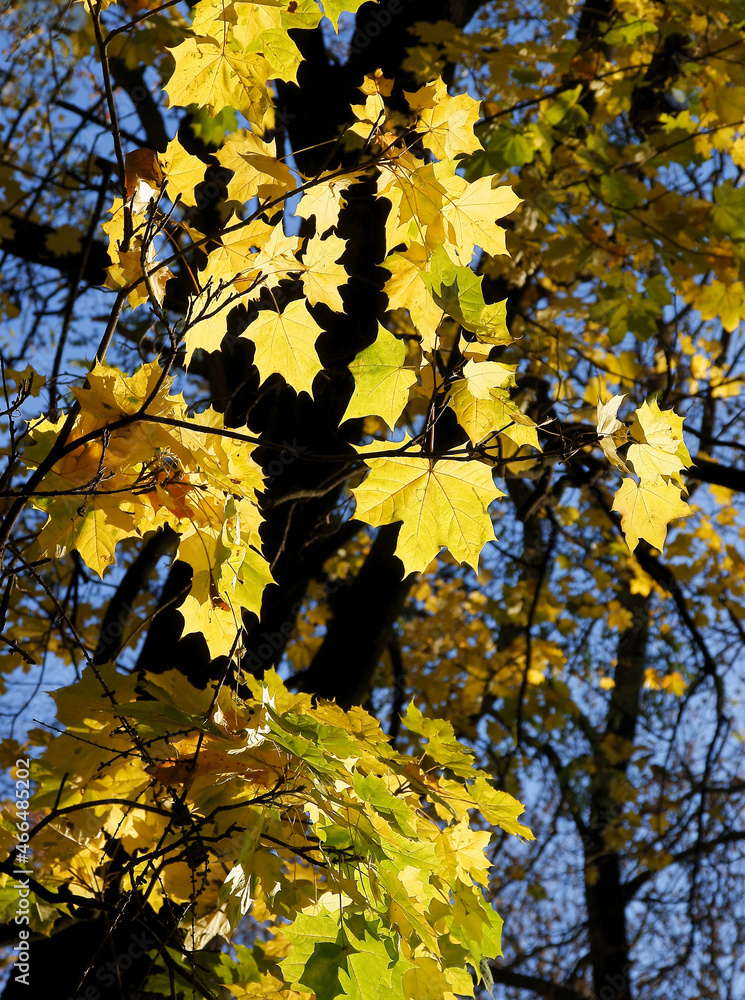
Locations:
{"points": [[423, 197], [323, 276], [98, 531], [675, 683], [276, 257], [381, 383], [483, 376], [370, 116], [334, 8], [27, 380], [183, 172], [324, 200], [447, 122], [646, 509], [145, 474], [722, 300], [209, 325], [441, 503], [214, 76], [127, 264], [658, 448], [285, 343], [143, 177], [93, 530], [64, 240], [212, 17], [477, 416], [238, 251], [472, 214], [407, 289], [426, 981], [110, 392], [127, 270], [216, 620], [256, 170], [499, 808], [652, 679], [461, 850]]}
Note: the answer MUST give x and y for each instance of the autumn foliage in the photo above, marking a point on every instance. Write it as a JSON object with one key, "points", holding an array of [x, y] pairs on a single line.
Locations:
{"points": [[380, 342]]}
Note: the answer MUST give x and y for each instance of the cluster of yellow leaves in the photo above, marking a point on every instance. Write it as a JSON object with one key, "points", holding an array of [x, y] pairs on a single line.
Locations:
{"points": [[359, 861], [436, 222], [144, 475], [135, 462], [127, 470], [656, 454], [452, 630], [233, 53], [580, 185], [673, 682]]}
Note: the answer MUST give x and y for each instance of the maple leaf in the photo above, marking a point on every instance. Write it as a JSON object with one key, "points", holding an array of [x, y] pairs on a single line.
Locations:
{"points": [[237, 256], [477, 416], [408, 288], [151, 474], [183, 172], [110, 392], [66, 239], [441, 743], [256, 170], [377, 83], [93, 530], [646, 509], [214, 619], [484, 376], [675, 683], [462, 852], [333, 8], [370, 116], [323, 276], [285, 343], [27, 380], [215, 76], [127, 264], [209, 326], [724, 301], [607, 421], [273, 44], [472, 214], [422, 196], [499, 808], [276, 256], [658, 448], [381, 382], [128, 270], [457, 289], [447, 122], [324, 200], [482, 404], [426, 982], [441, 504]]}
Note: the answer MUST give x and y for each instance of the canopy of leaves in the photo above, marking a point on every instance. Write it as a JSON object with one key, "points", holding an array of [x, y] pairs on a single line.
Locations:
{"points": [[368, 342]]}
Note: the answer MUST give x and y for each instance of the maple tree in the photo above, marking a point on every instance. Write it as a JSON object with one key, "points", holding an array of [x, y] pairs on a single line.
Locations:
{"points": [[336, 289]]}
